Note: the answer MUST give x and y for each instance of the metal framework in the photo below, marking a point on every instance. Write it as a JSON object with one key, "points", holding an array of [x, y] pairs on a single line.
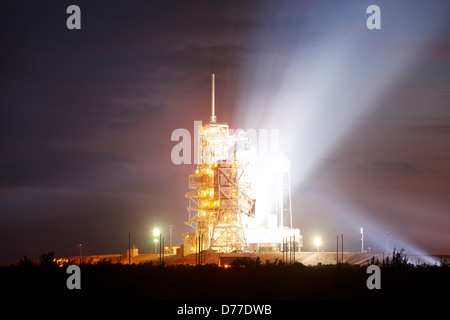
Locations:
{"points": [[222, 191], [221, 204]]}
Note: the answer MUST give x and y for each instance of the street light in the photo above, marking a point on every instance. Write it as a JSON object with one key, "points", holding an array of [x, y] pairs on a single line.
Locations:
{"points": [[317, 242], [156, 233]]}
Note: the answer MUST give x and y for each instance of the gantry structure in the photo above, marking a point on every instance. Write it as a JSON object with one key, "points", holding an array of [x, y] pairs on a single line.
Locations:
{"points": [[220, 195]]}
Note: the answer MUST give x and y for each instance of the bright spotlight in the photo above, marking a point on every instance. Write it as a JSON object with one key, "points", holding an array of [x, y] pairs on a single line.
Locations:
{"points": [[156, 232], [317, 243], [280, 163]]}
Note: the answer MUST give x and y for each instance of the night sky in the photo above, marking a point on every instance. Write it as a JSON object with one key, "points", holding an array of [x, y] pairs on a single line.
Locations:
{"points": [[86, 117]]}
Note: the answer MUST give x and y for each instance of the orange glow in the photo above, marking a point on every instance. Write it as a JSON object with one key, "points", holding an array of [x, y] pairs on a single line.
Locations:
{"points": [[61, 262]]}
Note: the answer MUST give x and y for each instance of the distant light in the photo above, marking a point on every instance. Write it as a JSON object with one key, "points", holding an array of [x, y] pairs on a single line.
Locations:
{"points": [[155, 240], [317, 241], [156, 232]]}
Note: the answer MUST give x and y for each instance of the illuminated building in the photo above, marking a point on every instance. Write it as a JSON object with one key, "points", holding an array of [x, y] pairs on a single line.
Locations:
{"points": [[222, 204]]}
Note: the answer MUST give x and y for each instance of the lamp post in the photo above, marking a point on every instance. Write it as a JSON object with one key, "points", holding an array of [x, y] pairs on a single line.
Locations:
{"points": [[170, 235], [155, 234], [362, 240], [81, 246], [156, 242]]}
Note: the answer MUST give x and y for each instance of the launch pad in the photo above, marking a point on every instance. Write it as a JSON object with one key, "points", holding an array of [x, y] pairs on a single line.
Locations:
{"points": [[225, 209]]}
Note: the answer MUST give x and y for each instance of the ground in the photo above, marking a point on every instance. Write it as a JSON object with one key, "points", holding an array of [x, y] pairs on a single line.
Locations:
{"points": [[244, 279]]}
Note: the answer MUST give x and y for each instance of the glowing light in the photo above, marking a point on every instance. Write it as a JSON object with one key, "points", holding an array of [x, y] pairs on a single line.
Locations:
{"points": [[317, 99], [61, 262], [156, 232], [317, 243], [280, 163]]}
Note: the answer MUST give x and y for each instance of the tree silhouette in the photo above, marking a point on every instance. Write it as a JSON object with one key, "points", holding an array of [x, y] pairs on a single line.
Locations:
{"points": [[25, 262], [47, 260]]}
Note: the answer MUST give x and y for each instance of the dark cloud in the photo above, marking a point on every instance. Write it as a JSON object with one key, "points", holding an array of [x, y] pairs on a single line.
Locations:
{"points": [[62, 167], [438, 48], [86, 116]]}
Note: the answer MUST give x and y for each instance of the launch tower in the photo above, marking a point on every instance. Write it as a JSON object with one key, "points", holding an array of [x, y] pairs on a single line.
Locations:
{"points": [[221, 188], [221, 201]]}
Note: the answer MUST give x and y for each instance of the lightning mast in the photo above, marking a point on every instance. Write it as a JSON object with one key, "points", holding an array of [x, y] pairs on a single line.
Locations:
{"points": [[212, 118]]}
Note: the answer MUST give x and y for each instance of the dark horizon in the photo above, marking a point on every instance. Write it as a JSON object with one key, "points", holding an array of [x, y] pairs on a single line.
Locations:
{"points": [[86, 117]]}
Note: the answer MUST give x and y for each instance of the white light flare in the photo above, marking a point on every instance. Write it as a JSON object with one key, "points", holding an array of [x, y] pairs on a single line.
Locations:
{"points": [[317, 89]]}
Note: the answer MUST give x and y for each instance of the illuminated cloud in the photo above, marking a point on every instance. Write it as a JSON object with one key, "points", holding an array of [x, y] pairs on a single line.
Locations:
{"points": [[88, 116]]}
